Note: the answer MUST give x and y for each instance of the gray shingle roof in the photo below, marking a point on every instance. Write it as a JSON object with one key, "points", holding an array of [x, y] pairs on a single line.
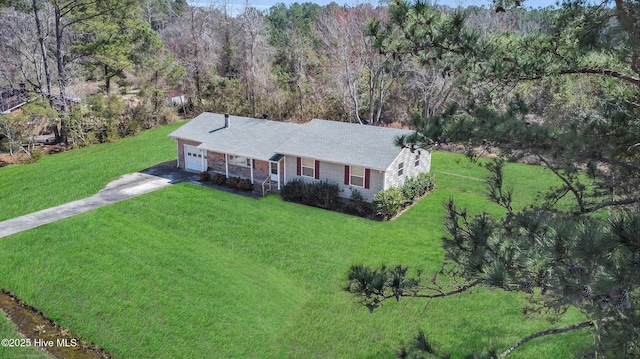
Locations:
{"points": [[330, 141], [249, 137], [348, 143], [197, 129]]}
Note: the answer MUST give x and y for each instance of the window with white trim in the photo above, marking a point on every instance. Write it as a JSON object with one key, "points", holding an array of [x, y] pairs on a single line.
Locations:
{"points": [[417, 162], [357, 176], [309, 167], [240, 161], [400, 169]]}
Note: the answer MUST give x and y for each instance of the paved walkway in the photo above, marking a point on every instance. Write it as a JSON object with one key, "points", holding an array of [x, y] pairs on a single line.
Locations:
{"points": [[125, 187]]}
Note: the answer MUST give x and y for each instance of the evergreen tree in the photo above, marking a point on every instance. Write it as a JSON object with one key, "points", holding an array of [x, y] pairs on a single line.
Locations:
{"points": [[586, 256], [115, 40]]}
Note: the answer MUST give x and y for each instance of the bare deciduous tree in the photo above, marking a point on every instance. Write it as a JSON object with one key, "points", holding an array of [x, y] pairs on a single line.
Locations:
{"points": [[194, 41], [19, 51], [367, 73]]}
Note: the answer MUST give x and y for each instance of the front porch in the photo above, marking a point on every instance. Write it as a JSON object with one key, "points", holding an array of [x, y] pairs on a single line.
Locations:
{"points": [[259, 172]]}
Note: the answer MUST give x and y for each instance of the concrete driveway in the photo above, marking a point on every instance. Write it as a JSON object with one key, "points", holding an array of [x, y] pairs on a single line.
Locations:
{"points": [[125, 187]]}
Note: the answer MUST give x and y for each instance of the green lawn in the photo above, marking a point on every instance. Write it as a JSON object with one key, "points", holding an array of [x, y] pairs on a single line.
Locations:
{"points": [[72, 175], [191, 272]]}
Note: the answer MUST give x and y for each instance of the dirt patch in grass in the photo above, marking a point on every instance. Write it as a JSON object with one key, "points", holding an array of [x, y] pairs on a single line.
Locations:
{"points": [[45, 334], [6, 159], [20, 157]]}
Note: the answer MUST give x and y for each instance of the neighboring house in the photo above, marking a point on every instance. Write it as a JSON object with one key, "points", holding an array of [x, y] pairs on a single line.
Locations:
{"points": [[356, 157], [175, 98], [12, 99]]}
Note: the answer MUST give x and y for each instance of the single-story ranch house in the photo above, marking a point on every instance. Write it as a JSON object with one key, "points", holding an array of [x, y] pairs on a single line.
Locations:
{"points": [[356, 157]]}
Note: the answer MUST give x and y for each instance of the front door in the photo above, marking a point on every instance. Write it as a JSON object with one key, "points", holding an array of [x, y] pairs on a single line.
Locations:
{"points": [[274, 170]]}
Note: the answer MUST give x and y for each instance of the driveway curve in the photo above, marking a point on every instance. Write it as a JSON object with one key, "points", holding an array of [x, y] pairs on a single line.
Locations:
{"points": [[125, 187]]}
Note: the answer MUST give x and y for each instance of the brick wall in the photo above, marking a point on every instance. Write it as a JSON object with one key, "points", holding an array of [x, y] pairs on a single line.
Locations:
{"points": [[216, 163], [260, 170]]}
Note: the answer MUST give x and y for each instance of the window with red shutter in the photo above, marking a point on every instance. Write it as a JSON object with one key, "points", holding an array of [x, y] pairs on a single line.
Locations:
{"points": [[367, 178], [309, 166], [357, 176]]}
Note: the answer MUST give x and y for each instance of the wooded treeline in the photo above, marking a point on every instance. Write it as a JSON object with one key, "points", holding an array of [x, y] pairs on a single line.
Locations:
{"points": [[306, 61], [292, 63]]}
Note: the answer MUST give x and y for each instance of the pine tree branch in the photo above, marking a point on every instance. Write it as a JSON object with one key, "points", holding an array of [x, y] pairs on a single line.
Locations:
{"points": [[568, 185], [620, 202], [72, 6], [545, 333], [552, 201], [442, 294], [592, 71], [623, 164], [583, 208], [380, 297]]}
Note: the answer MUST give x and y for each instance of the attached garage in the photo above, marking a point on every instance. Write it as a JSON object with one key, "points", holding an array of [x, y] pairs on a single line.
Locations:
{"points": [[194, 158]]}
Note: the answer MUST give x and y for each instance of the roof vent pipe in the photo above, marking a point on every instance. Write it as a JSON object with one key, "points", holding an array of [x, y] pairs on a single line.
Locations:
{"points": [[226, 120]]}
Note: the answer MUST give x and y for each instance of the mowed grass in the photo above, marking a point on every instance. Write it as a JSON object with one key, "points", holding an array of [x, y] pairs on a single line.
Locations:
{"points": [[72, 175], [191, 272], [226, 276], [456, 173]]}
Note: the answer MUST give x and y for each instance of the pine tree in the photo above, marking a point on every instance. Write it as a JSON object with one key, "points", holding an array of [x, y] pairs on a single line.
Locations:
{"points": [[115, 39], [586, 256]]}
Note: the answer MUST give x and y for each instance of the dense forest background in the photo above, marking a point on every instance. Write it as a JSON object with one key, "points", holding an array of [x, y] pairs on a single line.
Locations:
{"points": [[292, 63]]}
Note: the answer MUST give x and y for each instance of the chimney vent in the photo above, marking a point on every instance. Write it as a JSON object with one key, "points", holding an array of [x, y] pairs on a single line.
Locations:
{"points": [[226, 120]]}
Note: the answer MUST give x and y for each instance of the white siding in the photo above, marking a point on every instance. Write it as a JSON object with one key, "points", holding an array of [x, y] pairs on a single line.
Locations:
{"points": [[392, 179], [334, 173], [375, 185]]}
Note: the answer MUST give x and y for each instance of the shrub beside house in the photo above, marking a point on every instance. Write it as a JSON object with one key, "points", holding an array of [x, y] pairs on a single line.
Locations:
{"points": [[390, 202]]}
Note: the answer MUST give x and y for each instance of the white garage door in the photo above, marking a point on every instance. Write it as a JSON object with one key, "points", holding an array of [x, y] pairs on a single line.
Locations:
{"points": [[193, 158]]}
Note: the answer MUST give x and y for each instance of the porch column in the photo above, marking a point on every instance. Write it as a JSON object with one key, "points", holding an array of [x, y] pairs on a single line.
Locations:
{"points": [[203, 167], [278, 170], [284, 169], [226, 165], [178, 150], [251, 169]]}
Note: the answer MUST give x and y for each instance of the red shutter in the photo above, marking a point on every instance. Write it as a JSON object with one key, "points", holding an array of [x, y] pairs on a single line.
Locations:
{"points": [[299, 171], [367, 176], [317, 170], [346, 174]]}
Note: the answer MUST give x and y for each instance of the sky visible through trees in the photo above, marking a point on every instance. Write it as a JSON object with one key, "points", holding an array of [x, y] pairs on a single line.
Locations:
{"points": [[239, 5]]}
